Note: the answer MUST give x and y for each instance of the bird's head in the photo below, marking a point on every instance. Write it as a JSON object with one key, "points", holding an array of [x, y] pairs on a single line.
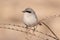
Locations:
{"points": [[29, 10]]}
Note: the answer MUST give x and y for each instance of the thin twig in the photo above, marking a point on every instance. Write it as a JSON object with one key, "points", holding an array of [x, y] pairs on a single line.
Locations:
{"points": [[50, 30]]}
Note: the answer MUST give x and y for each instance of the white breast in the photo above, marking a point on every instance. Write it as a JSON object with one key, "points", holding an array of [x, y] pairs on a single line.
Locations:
{"points": [[29, 19]]}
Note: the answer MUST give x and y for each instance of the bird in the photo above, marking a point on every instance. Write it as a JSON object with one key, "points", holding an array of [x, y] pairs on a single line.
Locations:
{"points": [[30, 19]]}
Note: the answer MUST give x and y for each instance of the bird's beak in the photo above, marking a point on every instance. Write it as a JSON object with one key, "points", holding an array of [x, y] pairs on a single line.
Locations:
{"points": [[23, 11]]}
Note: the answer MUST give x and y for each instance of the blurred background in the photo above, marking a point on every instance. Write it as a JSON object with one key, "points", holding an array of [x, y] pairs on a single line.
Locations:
{"points": [[11, 11]]}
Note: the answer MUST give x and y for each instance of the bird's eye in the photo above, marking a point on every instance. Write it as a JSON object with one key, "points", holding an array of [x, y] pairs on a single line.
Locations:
{"points": [[28, 11]]}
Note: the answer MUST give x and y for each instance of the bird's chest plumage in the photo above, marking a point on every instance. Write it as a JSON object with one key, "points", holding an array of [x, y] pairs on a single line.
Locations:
{"points": [[29, 19]]}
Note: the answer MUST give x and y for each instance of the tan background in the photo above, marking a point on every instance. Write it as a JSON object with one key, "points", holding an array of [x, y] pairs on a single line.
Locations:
{"points": [[12, 9]]}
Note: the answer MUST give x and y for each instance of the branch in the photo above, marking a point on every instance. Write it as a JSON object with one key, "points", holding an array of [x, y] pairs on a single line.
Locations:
{"points": [[24, 31]]}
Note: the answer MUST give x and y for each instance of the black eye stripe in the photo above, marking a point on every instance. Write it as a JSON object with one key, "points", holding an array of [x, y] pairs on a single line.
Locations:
{"points": [[28, 11]]}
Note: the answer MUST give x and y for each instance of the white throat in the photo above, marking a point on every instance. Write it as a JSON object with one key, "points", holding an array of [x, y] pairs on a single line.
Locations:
{"points": [[29, 19]]}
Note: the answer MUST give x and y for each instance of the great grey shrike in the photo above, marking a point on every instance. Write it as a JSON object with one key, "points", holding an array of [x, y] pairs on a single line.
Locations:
{"points": [[30, 20]]}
